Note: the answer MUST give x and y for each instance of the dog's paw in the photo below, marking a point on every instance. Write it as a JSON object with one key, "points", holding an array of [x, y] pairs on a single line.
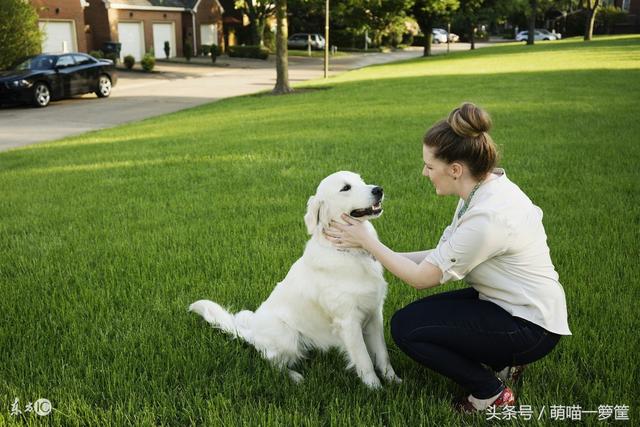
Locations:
{"points": [[295, 376], [372, 381], [394, 379]]}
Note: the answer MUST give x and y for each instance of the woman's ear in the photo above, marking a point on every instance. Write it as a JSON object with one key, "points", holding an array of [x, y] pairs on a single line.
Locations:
{"points": [[455, 170], [316, 214]]}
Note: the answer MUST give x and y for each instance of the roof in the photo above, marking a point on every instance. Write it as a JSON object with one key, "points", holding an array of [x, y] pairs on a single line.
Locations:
{"points": [[184, 4]]}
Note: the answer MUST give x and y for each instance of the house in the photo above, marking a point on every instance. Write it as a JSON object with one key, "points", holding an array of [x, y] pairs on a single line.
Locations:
{"points": [[63, 25], [143, 25], [631, 23], [140, 26]]}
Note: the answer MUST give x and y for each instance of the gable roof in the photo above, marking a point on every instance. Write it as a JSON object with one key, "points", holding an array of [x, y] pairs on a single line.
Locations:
{"points": [[182, 4]]}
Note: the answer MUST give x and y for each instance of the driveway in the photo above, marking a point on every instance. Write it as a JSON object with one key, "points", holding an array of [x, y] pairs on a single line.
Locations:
{"points": [[174, 87]]}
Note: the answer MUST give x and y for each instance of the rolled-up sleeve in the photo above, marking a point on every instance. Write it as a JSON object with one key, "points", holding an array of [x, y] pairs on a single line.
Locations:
{"points": [[479, 236]]}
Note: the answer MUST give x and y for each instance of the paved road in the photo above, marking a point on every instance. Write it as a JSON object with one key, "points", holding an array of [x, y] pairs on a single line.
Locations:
{"points": [[175, 87]]}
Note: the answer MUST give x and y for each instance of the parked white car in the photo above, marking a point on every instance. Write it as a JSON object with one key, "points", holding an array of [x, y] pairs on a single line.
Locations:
{"points": [[522, 36], [300, 41], [440, 35], [557, 36]]}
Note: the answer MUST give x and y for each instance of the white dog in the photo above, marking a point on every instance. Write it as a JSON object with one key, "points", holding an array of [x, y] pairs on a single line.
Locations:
{"points": [[330, 297]]}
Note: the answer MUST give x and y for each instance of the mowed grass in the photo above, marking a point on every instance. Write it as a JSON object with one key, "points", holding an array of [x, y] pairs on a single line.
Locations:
{"points": [[106, 238]]}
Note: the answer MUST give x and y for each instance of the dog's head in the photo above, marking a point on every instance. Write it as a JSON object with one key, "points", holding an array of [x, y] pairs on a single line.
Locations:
{"points": [[342, 192]]}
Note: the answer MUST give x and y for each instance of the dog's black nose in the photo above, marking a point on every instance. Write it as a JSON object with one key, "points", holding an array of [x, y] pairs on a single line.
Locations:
{"points": [[377, 191]]}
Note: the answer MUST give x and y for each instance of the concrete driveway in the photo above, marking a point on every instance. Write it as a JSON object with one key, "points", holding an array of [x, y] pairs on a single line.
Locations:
{"points": [[174, 87]]}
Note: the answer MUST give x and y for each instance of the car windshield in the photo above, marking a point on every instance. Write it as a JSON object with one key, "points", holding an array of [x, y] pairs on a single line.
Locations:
{"points": [[35, 63]]}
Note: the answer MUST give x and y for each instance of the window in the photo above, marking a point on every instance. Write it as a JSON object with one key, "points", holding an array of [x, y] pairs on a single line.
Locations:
{"points": [[65, 61], [82, 59]]}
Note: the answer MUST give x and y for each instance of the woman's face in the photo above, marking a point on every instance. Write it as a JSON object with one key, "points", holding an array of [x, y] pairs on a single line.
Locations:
{"points": [[437, 171]]}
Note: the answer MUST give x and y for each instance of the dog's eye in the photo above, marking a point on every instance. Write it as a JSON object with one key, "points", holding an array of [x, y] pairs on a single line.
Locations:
{"points": [[346, 187]]}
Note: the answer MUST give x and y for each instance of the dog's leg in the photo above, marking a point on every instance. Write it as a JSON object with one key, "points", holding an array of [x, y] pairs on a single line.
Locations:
{"points": [[374, 339], [350, 332]]}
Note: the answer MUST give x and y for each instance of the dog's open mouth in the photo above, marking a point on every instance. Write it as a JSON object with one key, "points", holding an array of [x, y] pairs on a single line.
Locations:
{"points": [[374, 210]]}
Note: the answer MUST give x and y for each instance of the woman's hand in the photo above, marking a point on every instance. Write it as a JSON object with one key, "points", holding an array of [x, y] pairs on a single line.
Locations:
{"points": [[353, 234]]}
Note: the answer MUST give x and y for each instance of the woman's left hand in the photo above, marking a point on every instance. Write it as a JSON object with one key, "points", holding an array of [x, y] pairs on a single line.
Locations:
{"points": [[353, 234]]}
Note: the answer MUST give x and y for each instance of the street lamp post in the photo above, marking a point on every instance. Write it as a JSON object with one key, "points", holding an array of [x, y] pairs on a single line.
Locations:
{"points": [[326, 39]]}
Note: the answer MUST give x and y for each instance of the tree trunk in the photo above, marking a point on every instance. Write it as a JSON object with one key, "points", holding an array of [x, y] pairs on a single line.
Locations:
{"points": [[590, 20], [282, 56], [427, 27], [472, 35], [532, 22]]}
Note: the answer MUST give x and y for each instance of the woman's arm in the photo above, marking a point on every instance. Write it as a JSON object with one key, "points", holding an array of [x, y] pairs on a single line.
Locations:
{"points": [[416, 257], [354, 234]]}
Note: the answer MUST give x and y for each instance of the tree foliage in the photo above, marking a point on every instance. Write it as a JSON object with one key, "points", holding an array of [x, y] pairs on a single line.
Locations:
{"points": [[258, 12], [19, 32]]}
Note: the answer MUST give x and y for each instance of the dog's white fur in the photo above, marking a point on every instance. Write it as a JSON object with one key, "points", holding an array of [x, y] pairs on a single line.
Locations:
{"points": [[329, 298]]}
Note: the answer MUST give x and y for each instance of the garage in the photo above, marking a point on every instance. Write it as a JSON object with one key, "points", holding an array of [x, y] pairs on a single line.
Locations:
{"points": [[161, 33], [131, 36], [58, 36], [208, 34]]}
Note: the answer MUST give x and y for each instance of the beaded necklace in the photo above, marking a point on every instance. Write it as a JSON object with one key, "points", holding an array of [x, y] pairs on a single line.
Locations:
{"points": [[466, 202]]}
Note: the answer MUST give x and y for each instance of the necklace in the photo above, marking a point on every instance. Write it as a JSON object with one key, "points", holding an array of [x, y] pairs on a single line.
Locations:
{"points": [[466, 202]]}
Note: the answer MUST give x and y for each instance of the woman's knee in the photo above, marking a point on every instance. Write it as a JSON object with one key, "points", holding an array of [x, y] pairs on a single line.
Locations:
{"points": [[399, 327]]}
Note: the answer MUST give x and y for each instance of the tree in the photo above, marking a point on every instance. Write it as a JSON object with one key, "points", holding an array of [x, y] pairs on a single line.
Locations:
{"points": [[590, 8], [469, 11], [426, 12], [258, 13], [533, 8], [282, 56], [19, 32]]}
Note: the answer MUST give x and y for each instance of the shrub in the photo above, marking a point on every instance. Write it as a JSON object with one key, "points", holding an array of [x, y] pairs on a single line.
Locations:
{"points": [[215, 52], [258, 52], [148, 62], [205, 49], [19, 31], [129, 61], [167, 49], [96, 54], [188, 50]]}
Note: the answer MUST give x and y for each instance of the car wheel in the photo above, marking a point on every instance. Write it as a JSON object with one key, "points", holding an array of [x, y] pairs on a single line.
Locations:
{"points": [[41, 95], [104, 86]]}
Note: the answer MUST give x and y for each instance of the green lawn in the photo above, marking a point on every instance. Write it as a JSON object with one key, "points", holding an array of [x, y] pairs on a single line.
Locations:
{"points": [[106, 238]]}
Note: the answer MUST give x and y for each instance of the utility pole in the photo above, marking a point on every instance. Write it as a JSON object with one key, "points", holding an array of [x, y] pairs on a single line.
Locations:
{"points": [[326, 39]]}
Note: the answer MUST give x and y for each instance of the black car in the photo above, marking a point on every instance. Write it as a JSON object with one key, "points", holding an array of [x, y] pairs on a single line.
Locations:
{"points": [[42, 78]]}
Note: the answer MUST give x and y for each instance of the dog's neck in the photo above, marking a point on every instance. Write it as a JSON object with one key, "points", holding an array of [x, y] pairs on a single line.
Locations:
{"points": [[321, 239]]}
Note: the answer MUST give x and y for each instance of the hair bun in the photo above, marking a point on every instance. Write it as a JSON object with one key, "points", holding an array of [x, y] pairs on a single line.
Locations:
{"points": [[469, 120]]}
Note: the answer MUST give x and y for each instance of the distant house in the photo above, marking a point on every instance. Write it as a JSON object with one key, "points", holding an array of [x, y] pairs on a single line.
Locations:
{"points": [[632, 22], [63, 24], [142, 25], [139, 26]]}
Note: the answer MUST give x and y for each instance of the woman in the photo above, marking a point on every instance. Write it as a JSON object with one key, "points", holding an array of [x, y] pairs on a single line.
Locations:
{"points": [[514, 311]]}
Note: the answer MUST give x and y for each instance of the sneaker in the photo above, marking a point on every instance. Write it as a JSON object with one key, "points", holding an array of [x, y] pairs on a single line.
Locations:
{"points": [[505, 398], [511, 374]]}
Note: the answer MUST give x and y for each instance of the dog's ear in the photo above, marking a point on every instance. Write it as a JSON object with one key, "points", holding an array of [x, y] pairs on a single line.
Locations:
{"points": [[316, 214]]}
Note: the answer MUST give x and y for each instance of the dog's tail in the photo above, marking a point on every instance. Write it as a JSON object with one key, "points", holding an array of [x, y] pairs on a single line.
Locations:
{"points": [[237, 324]]}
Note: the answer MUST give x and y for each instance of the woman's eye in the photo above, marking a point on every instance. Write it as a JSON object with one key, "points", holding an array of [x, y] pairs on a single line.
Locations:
{"points": [[347, 187]]}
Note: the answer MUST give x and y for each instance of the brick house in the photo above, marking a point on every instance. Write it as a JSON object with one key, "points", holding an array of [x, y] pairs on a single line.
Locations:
{"points": [[63, 25], [142, 25], [139, 25]]}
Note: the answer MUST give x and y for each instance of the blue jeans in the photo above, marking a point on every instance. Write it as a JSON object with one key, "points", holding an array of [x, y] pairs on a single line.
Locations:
{"points": [[454, 333]]}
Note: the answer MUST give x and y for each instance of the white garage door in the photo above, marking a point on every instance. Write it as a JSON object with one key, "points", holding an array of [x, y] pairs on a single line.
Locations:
{"points": [[164, 33], [130, 34], [208, 34], [59, 37]]}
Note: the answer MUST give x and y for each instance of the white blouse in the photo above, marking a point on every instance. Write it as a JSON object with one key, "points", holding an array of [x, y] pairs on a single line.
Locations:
{"points": [[499, 247]]}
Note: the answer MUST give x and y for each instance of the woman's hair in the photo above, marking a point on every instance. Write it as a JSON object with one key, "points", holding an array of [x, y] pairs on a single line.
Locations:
{"points": [[463, 137]]}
